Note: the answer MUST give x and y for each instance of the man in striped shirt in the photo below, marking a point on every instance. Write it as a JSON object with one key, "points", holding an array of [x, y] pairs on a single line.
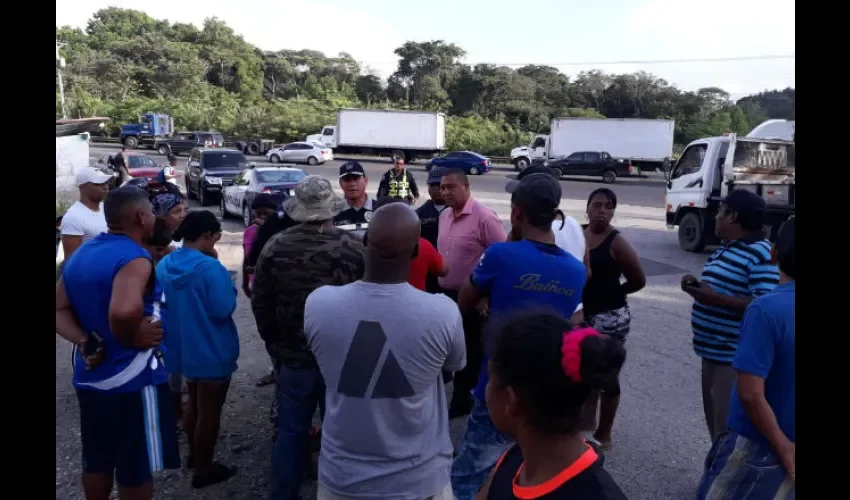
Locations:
{"points": [[739, 271]]}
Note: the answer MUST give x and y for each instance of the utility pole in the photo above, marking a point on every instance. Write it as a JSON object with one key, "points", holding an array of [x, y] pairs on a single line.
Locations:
{"points": [[60, 65]]}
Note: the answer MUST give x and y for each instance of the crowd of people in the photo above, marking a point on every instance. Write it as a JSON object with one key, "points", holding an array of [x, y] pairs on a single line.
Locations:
{"points": [[529, 325]]}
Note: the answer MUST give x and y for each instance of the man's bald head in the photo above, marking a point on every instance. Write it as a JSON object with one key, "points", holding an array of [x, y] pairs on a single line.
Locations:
{"points": [[393, 232]]}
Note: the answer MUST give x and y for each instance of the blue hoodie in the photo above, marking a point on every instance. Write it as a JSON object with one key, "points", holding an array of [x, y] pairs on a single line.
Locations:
{"points": [[202, 298]]}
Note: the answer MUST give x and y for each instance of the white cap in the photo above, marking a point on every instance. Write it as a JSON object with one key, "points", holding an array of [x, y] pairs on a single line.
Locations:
{"points": [[86, 175]]}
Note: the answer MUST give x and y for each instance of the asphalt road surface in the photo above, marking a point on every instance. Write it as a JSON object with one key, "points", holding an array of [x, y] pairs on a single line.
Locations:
{"points": [[660, 438]]}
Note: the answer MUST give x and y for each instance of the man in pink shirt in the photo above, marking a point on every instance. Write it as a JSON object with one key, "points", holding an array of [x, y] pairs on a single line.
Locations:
{"points": [[466, 229]]}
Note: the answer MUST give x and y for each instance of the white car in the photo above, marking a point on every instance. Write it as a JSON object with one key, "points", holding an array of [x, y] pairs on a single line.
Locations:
{"points": [[300, 152], [278, 182]]}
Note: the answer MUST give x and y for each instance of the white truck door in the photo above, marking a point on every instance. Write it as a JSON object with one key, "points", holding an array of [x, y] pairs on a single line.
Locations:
{"points": [[688, 185], [329, 137], [538, 150]]}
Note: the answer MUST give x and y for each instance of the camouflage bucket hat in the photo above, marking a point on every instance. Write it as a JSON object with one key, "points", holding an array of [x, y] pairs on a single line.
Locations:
{"points": [[313, 200]]}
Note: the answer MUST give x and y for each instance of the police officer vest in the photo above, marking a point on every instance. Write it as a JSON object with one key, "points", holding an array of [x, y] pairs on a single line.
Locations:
{"points": [[399, 188]]}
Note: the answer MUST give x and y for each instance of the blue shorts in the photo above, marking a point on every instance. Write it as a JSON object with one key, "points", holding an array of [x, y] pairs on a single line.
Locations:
{"points": [[738, 468], [129, 434]]}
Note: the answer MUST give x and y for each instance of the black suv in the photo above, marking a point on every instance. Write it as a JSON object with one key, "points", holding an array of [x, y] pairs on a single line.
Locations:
{"points": [[183, 142], [210, 170]]}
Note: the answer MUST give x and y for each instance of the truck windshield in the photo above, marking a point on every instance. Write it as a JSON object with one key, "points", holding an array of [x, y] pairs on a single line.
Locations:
{"points": [[230, 161]]}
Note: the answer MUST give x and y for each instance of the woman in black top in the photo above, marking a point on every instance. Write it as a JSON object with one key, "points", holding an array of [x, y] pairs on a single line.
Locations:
{"points": [[541, 373], [604, 298]]}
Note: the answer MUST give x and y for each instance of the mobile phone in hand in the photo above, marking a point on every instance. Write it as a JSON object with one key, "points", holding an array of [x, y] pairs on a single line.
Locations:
{"points": [[93, 343]]}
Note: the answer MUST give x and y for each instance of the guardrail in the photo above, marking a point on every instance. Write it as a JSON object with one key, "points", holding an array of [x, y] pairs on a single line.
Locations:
{"points": [[104, 139]]}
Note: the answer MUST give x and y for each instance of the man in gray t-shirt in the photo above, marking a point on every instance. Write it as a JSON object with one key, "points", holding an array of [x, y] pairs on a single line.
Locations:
{"points": [[381, 346]]}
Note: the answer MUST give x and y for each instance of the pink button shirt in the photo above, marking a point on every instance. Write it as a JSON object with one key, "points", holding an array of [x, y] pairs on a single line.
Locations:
{"points": [[463, 238]]}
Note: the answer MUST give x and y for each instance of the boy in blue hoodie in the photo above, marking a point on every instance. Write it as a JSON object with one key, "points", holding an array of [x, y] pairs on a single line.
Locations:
{"points": [[200, 287]]}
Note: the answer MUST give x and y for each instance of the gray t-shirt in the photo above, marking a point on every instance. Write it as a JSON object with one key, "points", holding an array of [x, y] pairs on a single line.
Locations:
{"points": [[381, 350]]}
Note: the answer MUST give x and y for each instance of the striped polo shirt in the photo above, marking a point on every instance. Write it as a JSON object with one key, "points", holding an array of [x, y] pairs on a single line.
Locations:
{"points": [[738, 268]]}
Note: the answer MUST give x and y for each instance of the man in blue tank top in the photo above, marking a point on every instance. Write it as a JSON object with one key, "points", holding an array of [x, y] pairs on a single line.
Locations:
{"points": [[529, 273], [126, 421]]}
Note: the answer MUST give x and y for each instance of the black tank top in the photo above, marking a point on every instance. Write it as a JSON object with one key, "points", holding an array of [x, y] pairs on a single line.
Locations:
{"points": [[585, 479], [603, 291]]}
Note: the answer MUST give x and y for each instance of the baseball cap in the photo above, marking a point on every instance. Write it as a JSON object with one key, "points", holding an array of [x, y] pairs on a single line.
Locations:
{"points": [[88, 175], [537, 192], [435, 174], [749, 206], [534, 169], [351, 168]]}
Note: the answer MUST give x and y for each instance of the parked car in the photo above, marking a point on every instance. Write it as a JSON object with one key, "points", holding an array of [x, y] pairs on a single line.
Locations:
{"points": [[139, 165], [211, 170], [594, 163], [471, 163], [184, 142], [300, 152], [275, 181]]}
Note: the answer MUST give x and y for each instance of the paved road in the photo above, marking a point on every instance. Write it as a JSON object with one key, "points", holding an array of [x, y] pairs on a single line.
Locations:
{"points": [[660, 437]]}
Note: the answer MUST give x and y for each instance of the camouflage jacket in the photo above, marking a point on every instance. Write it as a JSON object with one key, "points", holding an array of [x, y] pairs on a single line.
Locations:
{"points": [[293, 264]]}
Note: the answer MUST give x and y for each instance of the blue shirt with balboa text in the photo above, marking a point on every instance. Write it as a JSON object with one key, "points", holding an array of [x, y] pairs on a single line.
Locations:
{"points": [[527, 276]]}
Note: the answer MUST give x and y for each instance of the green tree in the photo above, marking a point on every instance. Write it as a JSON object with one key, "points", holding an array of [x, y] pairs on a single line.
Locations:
{"points": [[126, 63]]}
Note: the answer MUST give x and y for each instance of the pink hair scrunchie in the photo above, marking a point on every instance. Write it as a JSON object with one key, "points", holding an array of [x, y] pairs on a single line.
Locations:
{"points": [[571, 351]]}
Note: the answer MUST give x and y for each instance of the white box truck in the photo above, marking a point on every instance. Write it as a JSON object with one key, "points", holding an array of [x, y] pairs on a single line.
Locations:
{"points": [[762, 162], [647, 143], [383, 132]]}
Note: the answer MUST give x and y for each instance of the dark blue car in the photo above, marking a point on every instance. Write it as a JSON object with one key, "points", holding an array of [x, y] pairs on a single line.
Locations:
{"points": [[471, 163]]}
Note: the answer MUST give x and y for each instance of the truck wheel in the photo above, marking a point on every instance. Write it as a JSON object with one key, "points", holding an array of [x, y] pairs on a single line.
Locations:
{"points": [[520, 164], [312, 161], [253, 149], [164, 150], [131, 141], [691, 237], [609, 177]]}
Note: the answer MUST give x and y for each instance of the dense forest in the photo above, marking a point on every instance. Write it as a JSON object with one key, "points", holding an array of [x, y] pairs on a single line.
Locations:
{"points": [[126, 63]]}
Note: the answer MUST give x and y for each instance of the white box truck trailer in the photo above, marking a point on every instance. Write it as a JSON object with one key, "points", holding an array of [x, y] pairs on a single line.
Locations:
{"points": [[384, 132], [647, 143]]}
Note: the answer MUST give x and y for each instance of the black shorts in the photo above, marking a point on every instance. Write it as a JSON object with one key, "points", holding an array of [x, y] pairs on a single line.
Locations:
{"points": [[130, 434]]}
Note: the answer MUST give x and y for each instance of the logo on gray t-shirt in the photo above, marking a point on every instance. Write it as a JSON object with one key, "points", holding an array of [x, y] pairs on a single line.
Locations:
{"points": [[361, 366]]}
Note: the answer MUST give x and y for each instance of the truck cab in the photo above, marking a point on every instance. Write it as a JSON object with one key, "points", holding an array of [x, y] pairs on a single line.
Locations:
{"points": [[327, 137], [151, 127], [710, 168], [536, 152]]}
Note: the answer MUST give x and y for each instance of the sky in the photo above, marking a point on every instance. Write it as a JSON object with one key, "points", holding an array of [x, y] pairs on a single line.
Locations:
{"points": [[634, 34]]}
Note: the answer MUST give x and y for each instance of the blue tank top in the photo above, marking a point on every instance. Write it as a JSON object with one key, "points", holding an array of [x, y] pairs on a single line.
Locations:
{"points": [[88, 277]]}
